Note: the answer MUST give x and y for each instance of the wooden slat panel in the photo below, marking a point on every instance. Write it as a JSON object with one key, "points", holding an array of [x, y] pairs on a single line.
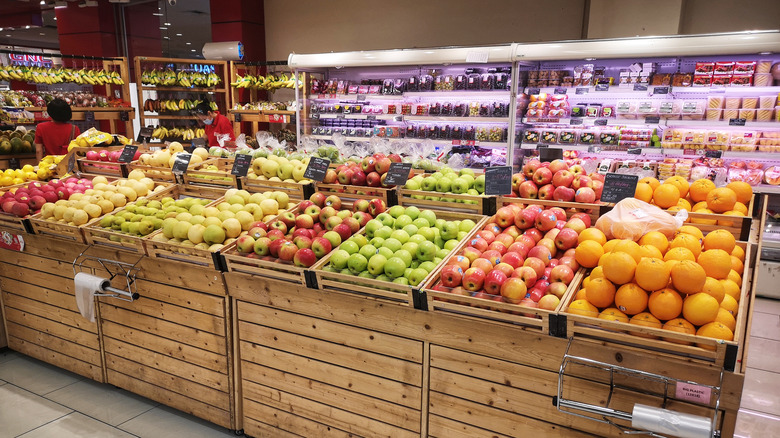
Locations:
{"points": [[81, 337], [388, 367], [283, 423], [386, 389], [37, 263], [165, 346], [182, 297], [348, 421], [38, 278], [440, 427], [173, 314], [183, 403], [57, 359], [45, 295], [167, 364], [179, 333], [339, 398], [355, 337], [170, 382], [57, 344], [73, 319]]}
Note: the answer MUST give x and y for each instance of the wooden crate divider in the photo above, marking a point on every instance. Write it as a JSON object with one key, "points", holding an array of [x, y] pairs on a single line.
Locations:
{"points": [[222, 177], [159, 173], [296, 191], [592, 210], [350, 194], [473, 204], [698, 348], [107, 168], [739, 226]]}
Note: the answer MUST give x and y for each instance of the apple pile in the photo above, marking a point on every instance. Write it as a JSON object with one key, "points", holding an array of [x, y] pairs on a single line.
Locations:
{"points": [[557, 181], [401, 245], [108, 156], [370, 172], [189, 222], [29, 199], [276, 168], [446, 180], [320, 225], [522, 256]]}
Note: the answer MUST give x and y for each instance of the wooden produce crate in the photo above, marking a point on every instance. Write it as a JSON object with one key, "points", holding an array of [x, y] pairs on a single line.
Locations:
{"points": [[718, 352], [296, 191], [198, 175], [350, 194], [159, 173], [472, 204], [592, 210], [383, 290], [11, 222], [102, 167], [739, 226]]}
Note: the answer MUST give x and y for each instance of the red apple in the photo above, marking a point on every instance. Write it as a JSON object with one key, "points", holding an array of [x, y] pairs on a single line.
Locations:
{"points": [[569, 261], [498, 247], [577, 170], [373, 179], [514, 290], [304, 221], [549, 302], [473, 279], [504, 217], [460, 261], [528, 190], [581, 181], [275, 234], [471, 254], [561, 274], [546, 192], [493, 281], [534, 234], [540, 252], [318, 198], [343, 230], [546, 220], [331, 177], [304, 258], [542, 176], [505, 239], [558, 166], [358, 178], [368, 165], [382, 165], [493, 256], [565, 194], [376, 206], [585, 195], [595, 176], [583, 217], [480, 244], [566, 238], [530, 167], [519, 248], [302, 241], [287, 251], [451, 275], [483, 265], [598, 187], [527, 218], [321, 247], [527, 274]]}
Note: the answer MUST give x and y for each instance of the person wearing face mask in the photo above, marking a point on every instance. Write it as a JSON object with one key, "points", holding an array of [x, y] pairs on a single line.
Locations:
{"points": [[214, 124]]}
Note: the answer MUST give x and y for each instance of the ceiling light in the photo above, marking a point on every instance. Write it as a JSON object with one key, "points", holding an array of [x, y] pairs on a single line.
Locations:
{"points": [[590, 59], [760, 53], [166, 38], [163, 28], [8, 35], [43, 2], [192, 50], [157, 14], [41, 33], [189, 44], [178, 34], [26, 27], [167, 24]]}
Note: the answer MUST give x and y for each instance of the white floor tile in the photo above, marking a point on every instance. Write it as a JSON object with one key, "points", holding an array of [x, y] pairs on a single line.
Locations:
{"points": [[765, 325], [7, 355], [76, 425], [764, 354], [170, 423], [752, 424], [767, 305], [21, 411], [36, 376], [761, 391], [100, 401]]}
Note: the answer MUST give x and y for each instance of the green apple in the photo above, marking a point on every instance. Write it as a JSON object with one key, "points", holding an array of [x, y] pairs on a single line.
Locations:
{"points": [[345, 271], [382, 277], [360, 239], [459, 185], [377, 242], [417, 275], [441, 252], [396, 211], [429, 216], [392, 244], [411, 247], [387, 252], [413, 212], [479, 184], [428, 266], [385, 219], [401, 280], [408, 272], [452, 176], [376, 264], [404, 255], [383, 232], [412, 185], [450, 230], [437, 261], [372, 226], [350, 247], [367, 251], [415, 264], [421, 223], [107, 221], [426, 251], [437, 175], [410, 229], [145, 227], [417, 238], [440, 224], [428, 184], [426, 233], [132, 227], [466, 225], [466, 171], [451, 244], [473, 192], [333, 237], [443, 185], [394, 267], [365, 274], [439, 241], [401, 235], [402, 221], [339, 259], [462, 235], [356, 263]]}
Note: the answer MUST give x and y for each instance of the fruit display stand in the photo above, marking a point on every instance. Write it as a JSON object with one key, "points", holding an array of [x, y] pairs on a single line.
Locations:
{"points": [[471, 204], [296, 191], [164, 174], [592, 210], [10, 161], [349, 193], [739, 226], [221, 177]]}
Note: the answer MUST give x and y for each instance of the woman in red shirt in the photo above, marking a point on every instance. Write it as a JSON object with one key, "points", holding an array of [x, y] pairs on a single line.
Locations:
{"points": [[52, 138], [214, 124]]}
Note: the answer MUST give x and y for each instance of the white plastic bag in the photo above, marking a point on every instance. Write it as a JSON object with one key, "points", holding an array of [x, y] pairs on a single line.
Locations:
{"points": [[632, 219]]}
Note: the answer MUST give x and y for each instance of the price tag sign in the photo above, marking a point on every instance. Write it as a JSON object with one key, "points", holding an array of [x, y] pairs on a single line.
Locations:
{"points": [[594, 149], [398, 174], [370, 117], [713, 154], [533, 91], [275, 118], [600, 122], [317, 169], [398, 118], [237, 117], [315, 116], [72, 163], [181, 163], [548, 154], [241, 165], [689, 151], [361, 97], [560, 90], [144, 135], [339, 116], [124, 116], [128, 153], [498, 180], [199, 142], [661, 90], [640, 87], [652, 120], [737, 122], [618, 186], [12, 242], [89, 116], [581, 90], [575, 121], [602, 87], [634, 151]]}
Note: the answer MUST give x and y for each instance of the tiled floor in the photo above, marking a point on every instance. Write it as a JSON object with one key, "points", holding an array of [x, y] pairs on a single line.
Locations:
{"points": [[759, 415], [38, 400]]}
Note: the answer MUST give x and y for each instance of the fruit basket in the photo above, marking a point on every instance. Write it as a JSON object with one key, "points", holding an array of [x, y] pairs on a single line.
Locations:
{"points": [[213, 172], [159, 173], [295, 190], [349, 193], [651, 336], [107, 168], [12, 222], [739, 226], [327, 277], [454, 202], [592, 210]]}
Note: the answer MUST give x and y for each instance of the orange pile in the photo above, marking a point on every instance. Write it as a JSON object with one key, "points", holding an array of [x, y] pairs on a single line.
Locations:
{"points": [[701, 196], [677, 284]]}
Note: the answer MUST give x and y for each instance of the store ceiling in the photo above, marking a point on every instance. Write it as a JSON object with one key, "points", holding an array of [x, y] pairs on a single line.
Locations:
{"points": [[190, 22]]}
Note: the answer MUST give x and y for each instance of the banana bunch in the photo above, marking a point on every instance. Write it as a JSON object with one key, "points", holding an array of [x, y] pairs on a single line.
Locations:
{"points": [[183, 133], [271, 82], [188, 79], [159, 106], [41, 75]]}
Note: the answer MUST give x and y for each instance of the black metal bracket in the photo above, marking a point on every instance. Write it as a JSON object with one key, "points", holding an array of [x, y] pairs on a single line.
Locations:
{"points": [[311, 279], [730, 359], [420, 299]]}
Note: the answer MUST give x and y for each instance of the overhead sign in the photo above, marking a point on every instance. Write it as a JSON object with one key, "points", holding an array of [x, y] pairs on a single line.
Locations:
{"points": [[30, 60]]}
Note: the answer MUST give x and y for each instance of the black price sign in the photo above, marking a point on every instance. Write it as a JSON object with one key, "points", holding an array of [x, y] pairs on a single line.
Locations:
{"points": [[241, 164], [560, 90], [315, 116], [661, 90], [89, 116], [533, 91], [640, 87], [713, 154], [370, 117], [361, 97], [317, 169], [581, 90], [498, 180], [594, 149], [398, 118], [618, 186], [124, 116], [602, 87], [652, 120], [199, 142], [398, 174], [181, 163], [144, 134], [737, 122], [13, 163], [339, 116], [237, 117], [575, 121], [634, 151], [72, 162], [600, 122], [547, 154], [128, 153]]}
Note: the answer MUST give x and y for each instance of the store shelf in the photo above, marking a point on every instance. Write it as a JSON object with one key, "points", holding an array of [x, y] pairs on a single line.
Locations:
{"points": [[355, 97], [482, 144], [457, 119], [358, 116], [165, 117], [428, 94], [589, 121], [188, 89], [765, 188], [628, 89], [591, 90], [721, 123], [86, 109]]}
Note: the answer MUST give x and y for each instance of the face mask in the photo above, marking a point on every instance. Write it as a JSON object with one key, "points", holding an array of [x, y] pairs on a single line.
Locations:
{"points": [[208, 121]]}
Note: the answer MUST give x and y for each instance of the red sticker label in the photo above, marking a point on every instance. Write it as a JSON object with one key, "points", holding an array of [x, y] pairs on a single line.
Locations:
{"points": [[14, 242]]}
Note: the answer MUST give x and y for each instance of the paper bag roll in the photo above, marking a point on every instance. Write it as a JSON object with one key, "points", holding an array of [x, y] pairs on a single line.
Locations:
{"points": [[86, 287], [669, 422]]}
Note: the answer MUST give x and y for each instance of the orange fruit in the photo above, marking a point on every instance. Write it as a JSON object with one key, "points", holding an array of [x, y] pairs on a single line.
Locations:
{"points": [[683, 204], [631, 299], [610, 245], [688, 241], [675, 209], [690, 229], [700, 188], [743, 191], [721, 200], [592, 234], [699, 205], [672, 262], [629, 247], [602, 258], [737, 265], [688, 277], [644, 192], [679, 325], [666, 195], [739, 253], [735, 277], [613, 314], [652, 274], [584, 308], [704, 220], [679, 253], [730, 288], [645, 319], [652, 182], [657, 239], [651, 251], [727, 223], [740, 207], [581, 294], [714, 287], [681, 184], [597, 272], [585, 282], [665, 304], [601, 292], [716, 263], [700, 308], [715, 330], [619, 267], [726, 318], [588, 253], [720, 239], [730, 304]]}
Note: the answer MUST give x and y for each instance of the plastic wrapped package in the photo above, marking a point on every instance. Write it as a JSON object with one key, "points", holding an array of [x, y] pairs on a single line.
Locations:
{"points": [[473, 81], [749, 102], [549, 136], [717, 137], [588, 136], [762, 80], [733, 102], [426, 83], [487, 81], [715, 102], [632, 219], [693, 110], [747, 114], [593, 110], [532, 136], [609, 137], [473, 109], [625, 109], [767, 102], [567, 136], [646, 108], [713, 115], [670, 110], [772, 175]]}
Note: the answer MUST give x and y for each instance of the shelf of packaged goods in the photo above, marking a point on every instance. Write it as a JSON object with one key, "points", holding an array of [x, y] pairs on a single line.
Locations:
{"points": [[629, 89], [188, 89], [429, 94], [588, 121], [727, 90], [457, 119], [106, 109], [166, 117], [482, 144], [355, 97], [596, 148], [721, 123], [358, 116], [766, 188]]}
